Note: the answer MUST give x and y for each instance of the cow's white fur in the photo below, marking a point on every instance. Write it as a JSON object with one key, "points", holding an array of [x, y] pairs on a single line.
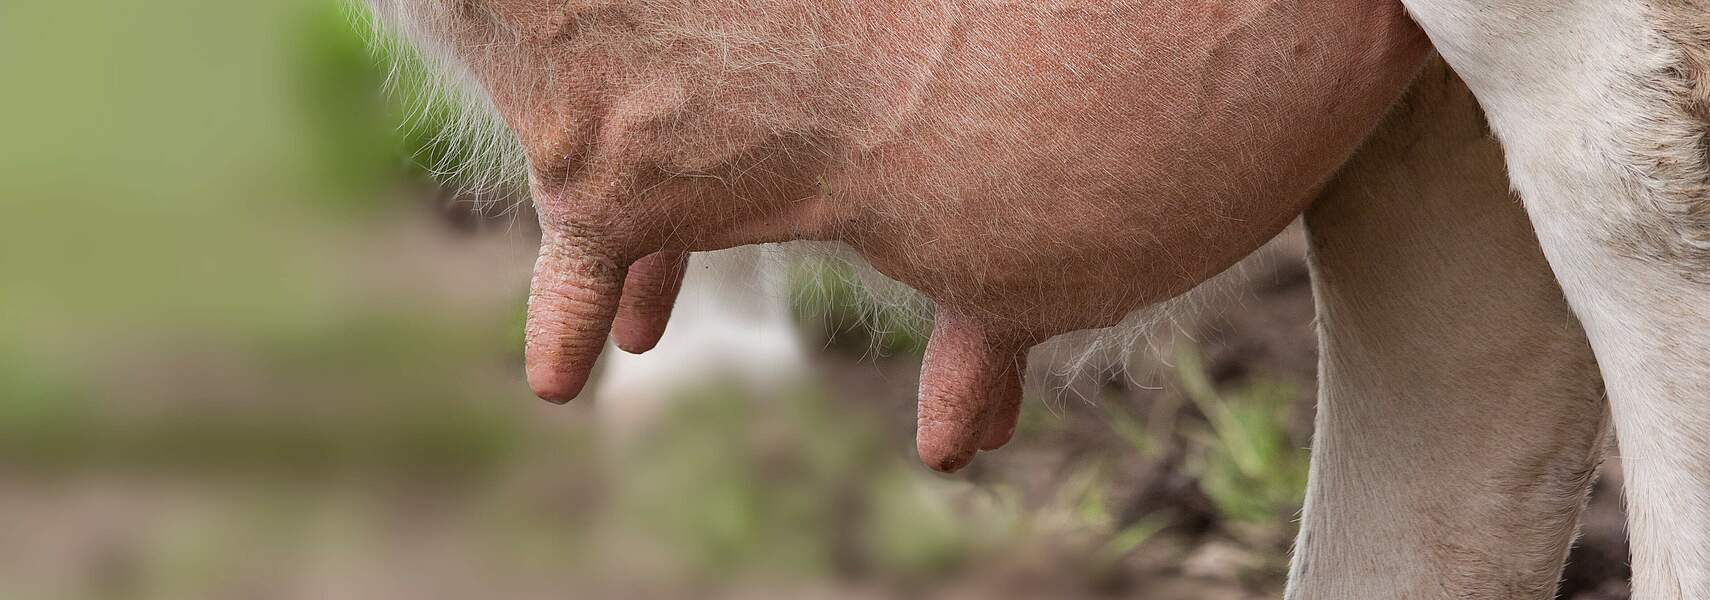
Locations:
{"points": [[1597, 142], [1460, 416]]}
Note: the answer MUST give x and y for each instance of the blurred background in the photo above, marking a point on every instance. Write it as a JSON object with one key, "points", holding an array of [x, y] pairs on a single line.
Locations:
{"points": [[250, 348]]}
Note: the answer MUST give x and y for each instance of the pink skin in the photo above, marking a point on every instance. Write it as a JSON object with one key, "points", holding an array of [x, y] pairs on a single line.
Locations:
{"points": [[1032, 167], [649, 292]]}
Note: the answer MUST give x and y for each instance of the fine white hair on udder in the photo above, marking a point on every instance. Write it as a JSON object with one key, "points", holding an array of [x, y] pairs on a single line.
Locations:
{"points": [[1137, 350], [475, 152]]}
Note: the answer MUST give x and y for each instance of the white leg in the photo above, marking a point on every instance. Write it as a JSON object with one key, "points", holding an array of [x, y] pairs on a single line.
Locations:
{"points": [[1604, 108], [732, 325], [1460, 416]]}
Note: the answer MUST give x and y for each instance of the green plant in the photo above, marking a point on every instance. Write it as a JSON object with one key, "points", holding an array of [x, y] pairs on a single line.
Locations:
{"points": [[1246, 461]]}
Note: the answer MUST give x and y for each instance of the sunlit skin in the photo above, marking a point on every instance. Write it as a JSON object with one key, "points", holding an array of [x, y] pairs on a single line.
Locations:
{"points": [[1032, 167]]}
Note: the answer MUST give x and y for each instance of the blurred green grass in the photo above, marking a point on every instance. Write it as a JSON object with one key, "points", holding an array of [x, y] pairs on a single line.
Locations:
{"points": [[188, 170], [1248, 462]]}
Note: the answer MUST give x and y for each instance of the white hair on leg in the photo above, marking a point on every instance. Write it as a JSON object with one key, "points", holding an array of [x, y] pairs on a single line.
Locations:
{"points": [[1601, 106], [1460, 415], [732, 325]]}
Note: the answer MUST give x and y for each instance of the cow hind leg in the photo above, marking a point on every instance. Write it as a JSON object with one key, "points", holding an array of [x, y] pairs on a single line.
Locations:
{"points": [[731, 326], [1604, 109], [1460, 418]]}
